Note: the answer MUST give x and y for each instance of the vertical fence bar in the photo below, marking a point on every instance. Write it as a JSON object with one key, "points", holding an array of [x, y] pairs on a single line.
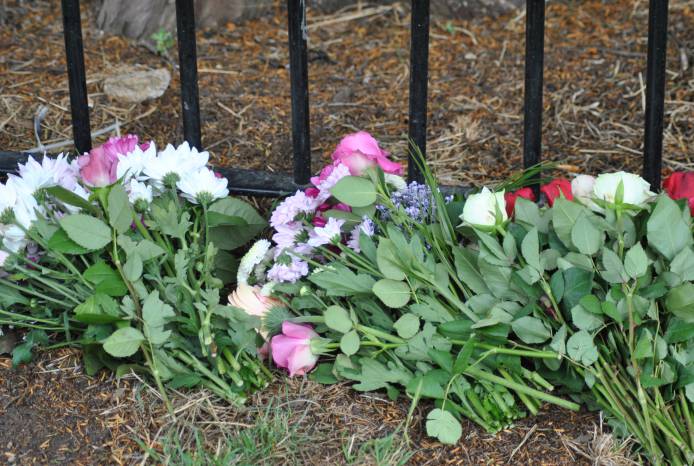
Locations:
{"points": [[534, 62], [419, 78], [188, 64], [298, 76], [655, 91], [77, 81]]}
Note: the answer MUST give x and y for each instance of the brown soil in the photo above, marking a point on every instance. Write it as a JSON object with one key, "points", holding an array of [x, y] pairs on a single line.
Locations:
{"points": [[51, 413], [593, 118]]}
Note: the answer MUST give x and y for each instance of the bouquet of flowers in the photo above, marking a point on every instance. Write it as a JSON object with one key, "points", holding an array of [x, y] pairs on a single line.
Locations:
{"points": [[124, 252], [377, 266], [486, 304], [614, 266]]}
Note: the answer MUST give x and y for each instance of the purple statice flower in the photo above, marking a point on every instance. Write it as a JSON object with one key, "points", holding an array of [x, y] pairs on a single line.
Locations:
{"points": [[287, 269], [328, 234], [416, 201], [367, 226]]}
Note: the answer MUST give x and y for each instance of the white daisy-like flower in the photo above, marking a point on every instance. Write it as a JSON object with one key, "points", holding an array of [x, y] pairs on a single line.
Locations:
{"points": [[8, 199], [255, 255], [56, 171], [174, 163], [202, 186], [328, 234], [133, 165], [138, 191]]}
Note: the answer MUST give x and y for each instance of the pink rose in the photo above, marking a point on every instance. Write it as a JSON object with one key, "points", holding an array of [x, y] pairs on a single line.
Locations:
{"points": [[250, 299], [292, 349], [98, 168], [359, 151]]}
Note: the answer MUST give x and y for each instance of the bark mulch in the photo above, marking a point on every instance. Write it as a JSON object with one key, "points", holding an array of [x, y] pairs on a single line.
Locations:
{"points": [[593, 106], [51, 413]]}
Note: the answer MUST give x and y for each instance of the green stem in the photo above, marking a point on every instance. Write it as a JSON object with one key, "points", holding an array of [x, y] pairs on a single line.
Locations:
{"points": [[483, 375]]}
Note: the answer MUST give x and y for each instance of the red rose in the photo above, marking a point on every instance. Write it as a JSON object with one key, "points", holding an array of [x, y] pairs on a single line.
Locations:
{"points": [[510, 198], [680, 185], [554, 188]]}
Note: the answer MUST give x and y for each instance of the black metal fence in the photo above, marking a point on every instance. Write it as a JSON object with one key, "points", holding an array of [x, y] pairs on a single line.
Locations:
{"points": [[252, 182]]}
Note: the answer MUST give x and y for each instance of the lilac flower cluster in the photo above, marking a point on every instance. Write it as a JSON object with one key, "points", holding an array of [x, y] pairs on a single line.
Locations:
{"points": [[416, 201]]}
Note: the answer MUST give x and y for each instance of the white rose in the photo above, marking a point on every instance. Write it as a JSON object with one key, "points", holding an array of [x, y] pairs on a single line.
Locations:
{"points": [[481, 209], [582, 189], [636, 189]]}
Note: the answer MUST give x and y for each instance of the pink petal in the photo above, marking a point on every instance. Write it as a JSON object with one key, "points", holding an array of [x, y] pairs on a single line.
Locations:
{"points": [[389, 166], [300, 331], [301, 360], [357, 142], [281, 347]]}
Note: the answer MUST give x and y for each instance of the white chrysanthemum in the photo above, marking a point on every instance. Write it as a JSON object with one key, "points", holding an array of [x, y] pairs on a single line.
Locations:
{"points": [[328, 234], [8, 199], [176, 162], [202, 186], [253, 257], [56, 171], [138, 191], [133, 164]]}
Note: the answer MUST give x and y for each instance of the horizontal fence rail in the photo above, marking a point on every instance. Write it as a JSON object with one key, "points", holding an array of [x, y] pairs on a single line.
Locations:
{"points": [[262, 183]]}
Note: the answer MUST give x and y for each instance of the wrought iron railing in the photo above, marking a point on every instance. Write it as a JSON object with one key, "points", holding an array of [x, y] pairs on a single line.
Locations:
{"points": [[253, 182]]}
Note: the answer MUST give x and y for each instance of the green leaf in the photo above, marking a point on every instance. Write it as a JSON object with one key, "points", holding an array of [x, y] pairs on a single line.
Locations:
{"points": [[354, 191], [468, 271], [392, 293], [88, 232], [156, 314], [614, 269], [667, 231], [148, 250], [680, 302], [229, 237], [337, 319], [338, 280], [133, 268], [407, 326], [591, 303], [120, 213], [683, 264], [124, 342], [462, 360], [679, 331], [577, 284], [443, 426], [60, 242], [611, 310], [636, 262], [70, 198], [530, 248], [349, 343], [531, 330], [564, 216], [386, 258], [585, 236], [585, 320], [581, 348], [97, 309], [107, 280]]}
